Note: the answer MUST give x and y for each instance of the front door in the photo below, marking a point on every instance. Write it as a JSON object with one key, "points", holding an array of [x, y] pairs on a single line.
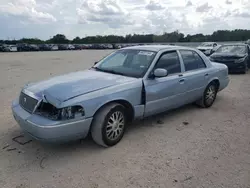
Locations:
{"points": [[165, 93]]}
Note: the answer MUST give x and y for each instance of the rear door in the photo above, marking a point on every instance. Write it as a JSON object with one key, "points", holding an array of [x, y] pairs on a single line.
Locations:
{"points": [[165, 93], [195, 74]]}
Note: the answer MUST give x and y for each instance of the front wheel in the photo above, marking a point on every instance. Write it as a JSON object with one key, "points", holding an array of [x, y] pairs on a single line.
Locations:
{"points": [[246, 69], [209, 96], [109, 125]]}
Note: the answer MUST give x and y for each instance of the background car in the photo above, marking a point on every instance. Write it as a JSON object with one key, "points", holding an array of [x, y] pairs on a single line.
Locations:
{"points": [[13, 48], [54, 47], [44, 47], [70, 47], [131, 83], [1, 47], [22, 47], [248, 42], [8, 48], [78, 47], [235, 56], [208, 47], [62, 47], [33, 47]]}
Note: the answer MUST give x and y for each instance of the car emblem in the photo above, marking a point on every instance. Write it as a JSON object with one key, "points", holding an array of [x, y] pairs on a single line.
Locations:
{"points": [[24, 99]]}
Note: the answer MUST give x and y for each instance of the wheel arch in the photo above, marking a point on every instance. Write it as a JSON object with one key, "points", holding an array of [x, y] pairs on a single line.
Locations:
{"points": [[128, 106], [216, 82]]}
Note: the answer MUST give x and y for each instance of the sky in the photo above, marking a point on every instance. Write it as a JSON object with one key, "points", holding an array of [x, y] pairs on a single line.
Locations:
{"points": [[45, 18]]}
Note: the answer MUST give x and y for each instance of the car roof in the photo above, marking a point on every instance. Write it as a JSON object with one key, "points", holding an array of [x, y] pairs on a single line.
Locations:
{"points": [[236, 44], [156, 48]]}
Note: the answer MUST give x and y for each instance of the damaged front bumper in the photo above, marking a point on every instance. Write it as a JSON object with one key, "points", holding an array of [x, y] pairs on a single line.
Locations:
{"points": [[43, 129]]}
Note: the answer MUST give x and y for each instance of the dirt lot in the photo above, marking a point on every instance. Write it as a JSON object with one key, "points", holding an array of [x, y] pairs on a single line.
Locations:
{"points": [[212, 149]]}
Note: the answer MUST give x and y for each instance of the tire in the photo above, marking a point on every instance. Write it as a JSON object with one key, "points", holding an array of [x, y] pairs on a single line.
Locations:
{"points": [[206, 102], [104, 130], [246, 69]]}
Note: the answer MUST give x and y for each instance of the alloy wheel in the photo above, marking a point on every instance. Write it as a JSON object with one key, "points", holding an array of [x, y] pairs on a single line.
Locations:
{"points": [[210, 95], [115, 125]]}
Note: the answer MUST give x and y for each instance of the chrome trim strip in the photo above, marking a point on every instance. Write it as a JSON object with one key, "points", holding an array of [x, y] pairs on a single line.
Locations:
{"points": [[29, 93]]}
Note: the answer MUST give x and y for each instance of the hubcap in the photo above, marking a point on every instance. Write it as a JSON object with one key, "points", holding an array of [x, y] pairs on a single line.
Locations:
{"points": [[210, 95], [115, 125]]}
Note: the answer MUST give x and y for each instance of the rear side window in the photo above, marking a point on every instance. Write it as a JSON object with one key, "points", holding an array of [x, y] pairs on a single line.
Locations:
{"points": [[192, 60], [170, 62]]}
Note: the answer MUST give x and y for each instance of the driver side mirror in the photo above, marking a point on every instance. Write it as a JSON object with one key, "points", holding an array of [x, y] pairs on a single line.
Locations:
{"points": [[160, 72]]}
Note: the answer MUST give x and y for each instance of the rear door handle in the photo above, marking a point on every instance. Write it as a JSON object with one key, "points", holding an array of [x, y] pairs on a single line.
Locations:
{"points": [[206, 74]]}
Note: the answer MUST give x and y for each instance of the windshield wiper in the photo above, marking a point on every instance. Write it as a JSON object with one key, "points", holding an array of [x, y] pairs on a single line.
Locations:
{"points": [[108, 71], [96, 68], [112, 72]]}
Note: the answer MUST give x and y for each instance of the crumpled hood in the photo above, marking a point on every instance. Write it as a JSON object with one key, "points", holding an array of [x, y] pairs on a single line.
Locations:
{"points": [[65, 87], [228, 55]]}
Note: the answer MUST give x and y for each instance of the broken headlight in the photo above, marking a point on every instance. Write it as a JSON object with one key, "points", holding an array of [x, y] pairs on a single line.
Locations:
{"points": [[53, 113], [70, 112]]}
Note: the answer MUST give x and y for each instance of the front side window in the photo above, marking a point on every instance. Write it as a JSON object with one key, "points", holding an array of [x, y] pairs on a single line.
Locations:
{"points": [[170, 62], [192, 60], [128, 62]]}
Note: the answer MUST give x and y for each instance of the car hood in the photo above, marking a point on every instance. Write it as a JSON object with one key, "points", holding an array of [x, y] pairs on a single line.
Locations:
{"points": [[62, 88], [227, 55]]}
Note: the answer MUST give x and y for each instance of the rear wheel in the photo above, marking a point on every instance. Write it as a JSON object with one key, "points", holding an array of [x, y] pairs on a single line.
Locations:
{"points": [[209, 95], [109, 125]]}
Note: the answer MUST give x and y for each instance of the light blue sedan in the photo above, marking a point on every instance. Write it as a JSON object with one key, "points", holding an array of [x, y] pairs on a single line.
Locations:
{"points": [[130, 83]]}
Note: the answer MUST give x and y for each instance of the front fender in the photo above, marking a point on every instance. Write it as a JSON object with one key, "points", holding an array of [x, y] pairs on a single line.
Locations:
{"points": [[91, 102]]}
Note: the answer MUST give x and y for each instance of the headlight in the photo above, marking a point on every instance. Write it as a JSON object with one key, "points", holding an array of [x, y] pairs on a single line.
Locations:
{"points": [[211, 58], [207, 52], [70, 112], [240, 60]]}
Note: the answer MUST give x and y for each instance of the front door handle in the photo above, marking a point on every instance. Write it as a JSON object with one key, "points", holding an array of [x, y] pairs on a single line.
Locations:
{"points": [[182, 80]]}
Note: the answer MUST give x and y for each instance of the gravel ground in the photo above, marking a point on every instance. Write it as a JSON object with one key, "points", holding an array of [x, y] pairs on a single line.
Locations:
{"points": [[189, 147]]}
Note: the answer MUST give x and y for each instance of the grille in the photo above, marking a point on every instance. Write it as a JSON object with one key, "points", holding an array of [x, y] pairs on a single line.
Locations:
{"points": [[27, 103], [225, 62]]}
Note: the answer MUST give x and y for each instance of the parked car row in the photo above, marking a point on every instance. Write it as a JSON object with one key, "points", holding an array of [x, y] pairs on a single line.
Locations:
{"points": [[54, 47]]}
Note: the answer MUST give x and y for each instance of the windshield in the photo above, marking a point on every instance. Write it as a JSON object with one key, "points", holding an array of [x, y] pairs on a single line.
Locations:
{"points": [[238, 49], [128, 62]]}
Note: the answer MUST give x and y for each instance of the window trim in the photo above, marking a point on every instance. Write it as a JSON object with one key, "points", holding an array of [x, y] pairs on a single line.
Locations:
{"points": [[184, 62], [163, 53]]}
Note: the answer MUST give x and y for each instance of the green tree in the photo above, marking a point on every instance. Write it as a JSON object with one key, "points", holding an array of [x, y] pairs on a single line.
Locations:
{"points": [[59, 39]]}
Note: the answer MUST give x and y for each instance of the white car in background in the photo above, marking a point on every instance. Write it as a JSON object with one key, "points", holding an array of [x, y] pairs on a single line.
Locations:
{"points": [[208, 47], [9, 48], [13, 48], [71, 47], [54, 47]]}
